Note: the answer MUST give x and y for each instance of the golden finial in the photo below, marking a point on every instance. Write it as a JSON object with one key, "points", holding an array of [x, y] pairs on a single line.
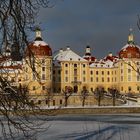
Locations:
{"points": [[130, 36]]}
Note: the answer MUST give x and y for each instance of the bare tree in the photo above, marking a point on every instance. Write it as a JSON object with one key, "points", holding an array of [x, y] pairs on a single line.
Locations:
{"points": [[115, 93], [17, 19], [84, 95], [48, 96], [99, 94], [66, 94]]}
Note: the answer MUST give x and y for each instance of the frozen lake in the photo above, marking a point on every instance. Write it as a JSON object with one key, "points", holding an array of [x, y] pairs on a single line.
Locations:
{"points": [[96, 127], [89, 127]]}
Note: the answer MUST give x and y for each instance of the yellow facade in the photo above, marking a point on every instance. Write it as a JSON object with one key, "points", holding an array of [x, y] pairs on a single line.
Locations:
{"points": [[44, 73]]}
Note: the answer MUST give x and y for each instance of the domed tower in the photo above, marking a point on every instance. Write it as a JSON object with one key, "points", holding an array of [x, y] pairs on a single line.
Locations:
{"points": [[130, 50], [128, 66], [39, 68], [88, 55]]}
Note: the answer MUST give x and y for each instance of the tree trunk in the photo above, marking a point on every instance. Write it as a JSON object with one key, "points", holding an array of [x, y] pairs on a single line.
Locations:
{"points": [[114, 99], [48, 103], [66, 101], [83, 102], [99, 100]]}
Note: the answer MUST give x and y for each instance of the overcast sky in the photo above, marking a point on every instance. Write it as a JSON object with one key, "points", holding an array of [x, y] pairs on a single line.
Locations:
{"points": [[102, 24]]}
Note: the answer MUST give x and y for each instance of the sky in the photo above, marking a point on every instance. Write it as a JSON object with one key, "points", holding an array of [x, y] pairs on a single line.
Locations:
{"points": [[102, 24]]}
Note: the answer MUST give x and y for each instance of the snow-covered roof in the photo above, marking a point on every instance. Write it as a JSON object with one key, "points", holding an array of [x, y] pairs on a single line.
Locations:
{"points": [[67, 55], [39, 43], [10, 62], [102, 64], [129, 45]]}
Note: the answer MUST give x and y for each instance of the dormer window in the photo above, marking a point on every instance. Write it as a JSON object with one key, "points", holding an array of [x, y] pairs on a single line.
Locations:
{"points": [[75, 65]]}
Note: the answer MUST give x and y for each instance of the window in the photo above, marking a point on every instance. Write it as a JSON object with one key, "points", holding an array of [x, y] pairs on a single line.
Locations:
{"points": [[84, 79], [108, 72], [84, 72], [46, 102], [53, 102], [59, 79], [102, 72], [43, 76], [91, 72], [97, 80], [32, 102], [108, 79], [102, 79], [66, 79], [43, 61], [97, 72], [75, 71], [66, 72], [121, 70], [39, 102], [43, 68], [43, 87], [129, 70], [138, 78], [59, 72], [129, 77], [75, 65], [121, 88], [121, 78], [91, 89], [61, 102], [53, 71], [53, 79], [33, 87], [91, 79], [66, 65], [84, 65]]}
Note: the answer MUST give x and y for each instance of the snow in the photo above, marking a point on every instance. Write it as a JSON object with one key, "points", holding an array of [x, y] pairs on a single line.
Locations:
{"points": [[104, 64], [68, 55], [97, 127], [87, 127], [39, 43], [129, 45]]}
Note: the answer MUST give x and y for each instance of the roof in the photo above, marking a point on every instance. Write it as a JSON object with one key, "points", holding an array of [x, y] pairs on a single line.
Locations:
{"points": [[39, 48], [130, 51], [68, 55]]}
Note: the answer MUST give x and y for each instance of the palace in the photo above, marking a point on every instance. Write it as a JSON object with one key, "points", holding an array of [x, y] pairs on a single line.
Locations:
{"points": [[43, 72]]}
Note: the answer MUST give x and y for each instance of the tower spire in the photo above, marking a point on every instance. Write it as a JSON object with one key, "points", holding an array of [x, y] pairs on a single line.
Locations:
{"points": [[38, 36], [130, 37]]}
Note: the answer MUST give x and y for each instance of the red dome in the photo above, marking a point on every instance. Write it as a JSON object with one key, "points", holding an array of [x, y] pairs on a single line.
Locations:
{"points": [[130, 51], [39, 48]]}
